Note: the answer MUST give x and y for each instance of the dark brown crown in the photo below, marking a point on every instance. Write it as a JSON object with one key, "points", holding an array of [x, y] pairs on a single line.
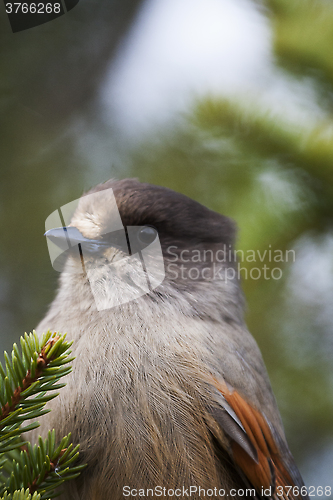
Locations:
{"points": [[176, 217]]}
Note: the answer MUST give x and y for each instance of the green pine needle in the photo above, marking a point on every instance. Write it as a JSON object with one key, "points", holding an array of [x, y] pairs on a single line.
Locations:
{"points": [[33, 472]]}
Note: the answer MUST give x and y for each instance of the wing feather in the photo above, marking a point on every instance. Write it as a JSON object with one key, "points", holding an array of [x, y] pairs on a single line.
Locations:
{"points": [[256, 448]]}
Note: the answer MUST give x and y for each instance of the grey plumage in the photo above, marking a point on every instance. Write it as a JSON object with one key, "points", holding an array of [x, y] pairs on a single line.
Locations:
{"points": [[140, 399]]}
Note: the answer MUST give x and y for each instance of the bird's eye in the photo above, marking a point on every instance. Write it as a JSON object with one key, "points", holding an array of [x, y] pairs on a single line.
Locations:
{"points": [[147, 235]]}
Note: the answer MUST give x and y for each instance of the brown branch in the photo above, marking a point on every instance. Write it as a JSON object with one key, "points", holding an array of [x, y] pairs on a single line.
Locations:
{"points": [[42, 362]]}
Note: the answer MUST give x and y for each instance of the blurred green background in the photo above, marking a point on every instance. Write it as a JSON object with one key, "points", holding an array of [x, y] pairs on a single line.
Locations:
{"points": [[273, 175]]}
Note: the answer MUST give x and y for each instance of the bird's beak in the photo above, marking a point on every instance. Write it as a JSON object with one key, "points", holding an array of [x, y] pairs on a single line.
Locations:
{"points": [[66, 237], [69, 237]]}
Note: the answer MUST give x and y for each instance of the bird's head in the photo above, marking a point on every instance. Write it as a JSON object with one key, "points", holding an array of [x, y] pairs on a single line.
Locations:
{"points": [[128, 238]]}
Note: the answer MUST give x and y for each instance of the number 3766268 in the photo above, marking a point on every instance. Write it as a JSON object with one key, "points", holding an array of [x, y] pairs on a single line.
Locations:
{"points": [[311, 491], [32, 8]]}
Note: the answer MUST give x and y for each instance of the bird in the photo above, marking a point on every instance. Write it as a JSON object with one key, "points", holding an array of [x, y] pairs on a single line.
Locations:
{"points": [[169, 395]]}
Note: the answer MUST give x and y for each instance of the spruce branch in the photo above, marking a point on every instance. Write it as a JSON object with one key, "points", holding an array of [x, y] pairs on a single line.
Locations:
{"points": [[21, 495], [43, 467], [25, 383], [33, 472]]}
